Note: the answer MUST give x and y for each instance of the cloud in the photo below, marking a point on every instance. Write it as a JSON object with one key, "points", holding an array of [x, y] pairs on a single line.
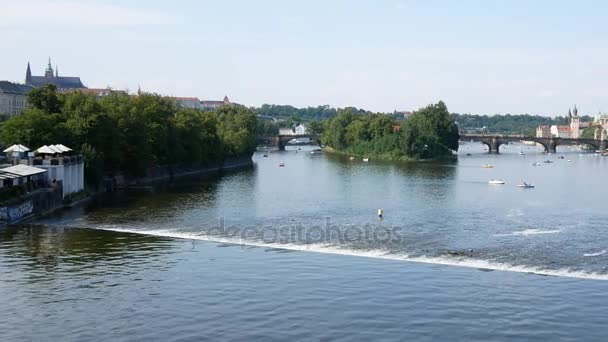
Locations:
{"points": [[76, 13]]}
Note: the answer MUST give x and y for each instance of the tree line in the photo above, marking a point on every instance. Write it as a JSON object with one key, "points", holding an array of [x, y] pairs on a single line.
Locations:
{"points": [[500, 123], [428, 133], [127, 134]]}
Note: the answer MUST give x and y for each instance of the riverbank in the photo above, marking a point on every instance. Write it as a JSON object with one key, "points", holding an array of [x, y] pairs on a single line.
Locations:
{"points": [[163, 174], [387, 157]]}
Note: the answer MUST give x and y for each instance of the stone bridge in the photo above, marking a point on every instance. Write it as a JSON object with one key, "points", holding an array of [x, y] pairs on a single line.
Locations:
{"points": [[550, 144], [281, 140]]}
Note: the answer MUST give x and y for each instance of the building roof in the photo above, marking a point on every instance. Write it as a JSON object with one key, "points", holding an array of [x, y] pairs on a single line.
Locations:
{"points": [[23, 170], [7, 87], [186, 99], [95, 91], [61, 82]]}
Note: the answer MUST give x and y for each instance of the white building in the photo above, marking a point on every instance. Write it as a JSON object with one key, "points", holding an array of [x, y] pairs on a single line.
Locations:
{"points": [[67, 169], [301, 129], [543, 131], [188, 102], [13, 97]]}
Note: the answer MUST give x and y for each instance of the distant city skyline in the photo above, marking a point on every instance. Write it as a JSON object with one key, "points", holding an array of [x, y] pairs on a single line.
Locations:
{"points": [[479, 57]]}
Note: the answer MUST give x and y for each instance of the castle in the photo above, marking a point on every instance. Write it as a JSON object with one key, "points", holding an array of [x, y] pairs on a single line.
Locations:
{"points": [[51, 76]]}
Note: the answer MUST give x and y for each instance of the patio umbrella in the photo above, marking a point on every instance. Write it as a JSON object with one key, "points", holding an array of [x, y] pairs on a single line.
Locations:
{"points": [[16, 148], [46, 150]]}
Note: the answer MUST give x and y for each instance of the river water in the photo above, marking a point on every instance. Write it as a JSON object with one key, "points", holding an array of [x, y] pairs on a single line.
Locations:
{"points": [[298, 252]]}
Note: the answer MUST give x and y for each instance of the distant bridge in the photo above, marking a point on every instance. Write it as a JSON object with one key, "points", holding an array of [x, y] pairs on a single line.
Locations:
{"points": [[282, 139], [550, 144]]}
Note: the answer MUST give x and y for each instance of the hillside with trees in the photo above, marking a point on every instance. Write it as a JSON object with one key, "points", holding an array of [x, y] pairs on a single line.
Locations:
{"points": [[129, 134]]}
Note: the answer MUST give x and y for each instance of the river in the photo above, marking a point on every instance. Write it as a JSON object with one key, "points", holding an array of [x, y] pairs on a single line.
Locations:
{"points": [[298, 252]]}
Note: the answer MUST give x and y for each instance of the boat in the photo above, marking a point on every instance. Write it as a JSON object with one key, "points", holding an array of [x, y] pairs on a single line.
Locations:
{"points": [[265, 156], [525, 185], [365, 159], [562, 157], [282, 165], [496, 182], [536, 164], [488, 166], [521, 153], [352, 158], [548, 162]]}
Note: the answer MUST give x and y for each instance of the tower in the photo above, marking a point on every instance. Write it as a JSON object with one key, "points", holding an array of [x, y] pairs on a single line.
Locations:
{"points": [[28, 74], [575, 125], [48, 73], [56, 70]]}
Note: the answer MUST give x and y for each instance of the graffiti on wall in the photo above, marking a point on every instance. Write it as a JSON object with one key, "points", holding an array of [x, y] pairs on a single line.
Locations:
{"points": [[15, 212]]}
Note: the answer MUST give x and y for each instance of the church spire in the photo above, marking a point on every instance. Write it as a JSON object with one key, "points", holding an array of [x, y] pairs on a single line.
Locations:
{"points": [[56, 70], [48, 73], [28, 74], [575, 111]]}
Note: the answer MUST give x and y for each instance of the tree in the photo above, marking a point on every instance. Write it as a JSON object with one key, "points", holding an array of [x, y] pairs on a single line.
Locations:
{"points": [[45, 98]]}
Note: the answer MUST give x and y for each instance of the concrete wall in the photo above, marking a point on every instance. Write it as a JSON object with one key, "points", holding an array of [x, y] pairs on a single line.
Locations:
{"points": [[36, 203]]}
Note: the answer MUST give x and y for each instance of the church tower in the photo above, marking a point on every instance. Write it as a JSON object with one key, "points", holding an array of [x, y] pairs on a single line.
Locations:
{"points": [[48, 73], [28, 74], [575, 125]]}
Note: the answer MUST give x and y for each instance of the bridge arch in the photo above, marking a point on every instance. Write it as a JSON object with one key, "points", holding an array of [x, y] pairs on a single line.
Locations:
{"points": [[282, 140]]}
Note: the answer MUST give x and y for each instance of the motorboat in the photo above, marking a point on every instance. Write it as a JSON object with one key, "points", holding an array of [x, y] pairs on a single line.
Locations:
{"points": [[265, 156], [351, 158], [521, 153], [488, 166], [496, 182], [525, 185], [536, 164], [548, 162], [365, 159], [282, 165]]}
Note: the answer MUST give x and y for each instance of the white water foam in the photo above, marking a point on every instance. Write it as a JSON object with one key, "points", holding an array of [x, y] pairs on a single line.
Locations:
{"points": [[378, 254], [596, 254], [529, 232]]}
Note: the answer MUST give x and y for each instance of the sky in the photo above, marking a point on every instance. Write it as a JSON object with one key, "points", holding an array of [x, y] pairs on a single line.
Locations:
{"points": [[478, 56]]}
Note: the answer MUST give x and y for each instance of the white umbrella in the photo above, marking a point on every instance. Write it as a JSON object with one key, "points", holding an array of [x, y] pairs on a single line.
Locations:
{"points": [[16, 148], [55, 148], [63, 148], [46, 150]]}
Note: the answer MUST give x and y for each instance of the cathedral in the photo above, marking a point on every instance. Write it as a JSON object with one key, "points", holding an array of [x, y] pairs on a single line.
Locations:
{"points": [[51, 76]]}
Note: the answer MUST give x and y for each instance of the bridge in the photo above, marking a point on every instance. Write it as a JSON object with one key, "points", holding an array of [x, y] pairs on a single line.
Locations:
{"points": [[550, 144], [281, 140]]}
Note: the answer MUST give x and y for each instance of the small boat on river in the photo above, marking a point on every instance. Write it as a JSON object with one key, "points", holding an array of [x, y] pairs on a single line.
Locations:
{"points": [[525, 185], [488, 166], [496, 182]]}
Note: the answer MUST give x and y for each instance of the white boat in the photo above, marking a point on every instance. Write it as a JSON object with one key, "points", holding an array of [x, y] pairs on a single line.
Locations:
{"points": [[521, 153], [496, 182], [352, 158], [525, 185], [365, 159], [536, 164]]}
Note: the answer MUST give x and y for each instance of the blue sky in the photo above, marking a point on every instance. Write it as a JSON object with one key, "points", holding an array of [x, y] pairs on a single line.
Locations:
{"points": [[486, 57]]}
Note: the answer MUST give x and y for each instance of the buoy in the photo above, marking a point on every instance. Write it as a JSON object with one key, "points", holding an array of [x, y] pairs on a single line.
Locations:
{"points": [[380, 212]]}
